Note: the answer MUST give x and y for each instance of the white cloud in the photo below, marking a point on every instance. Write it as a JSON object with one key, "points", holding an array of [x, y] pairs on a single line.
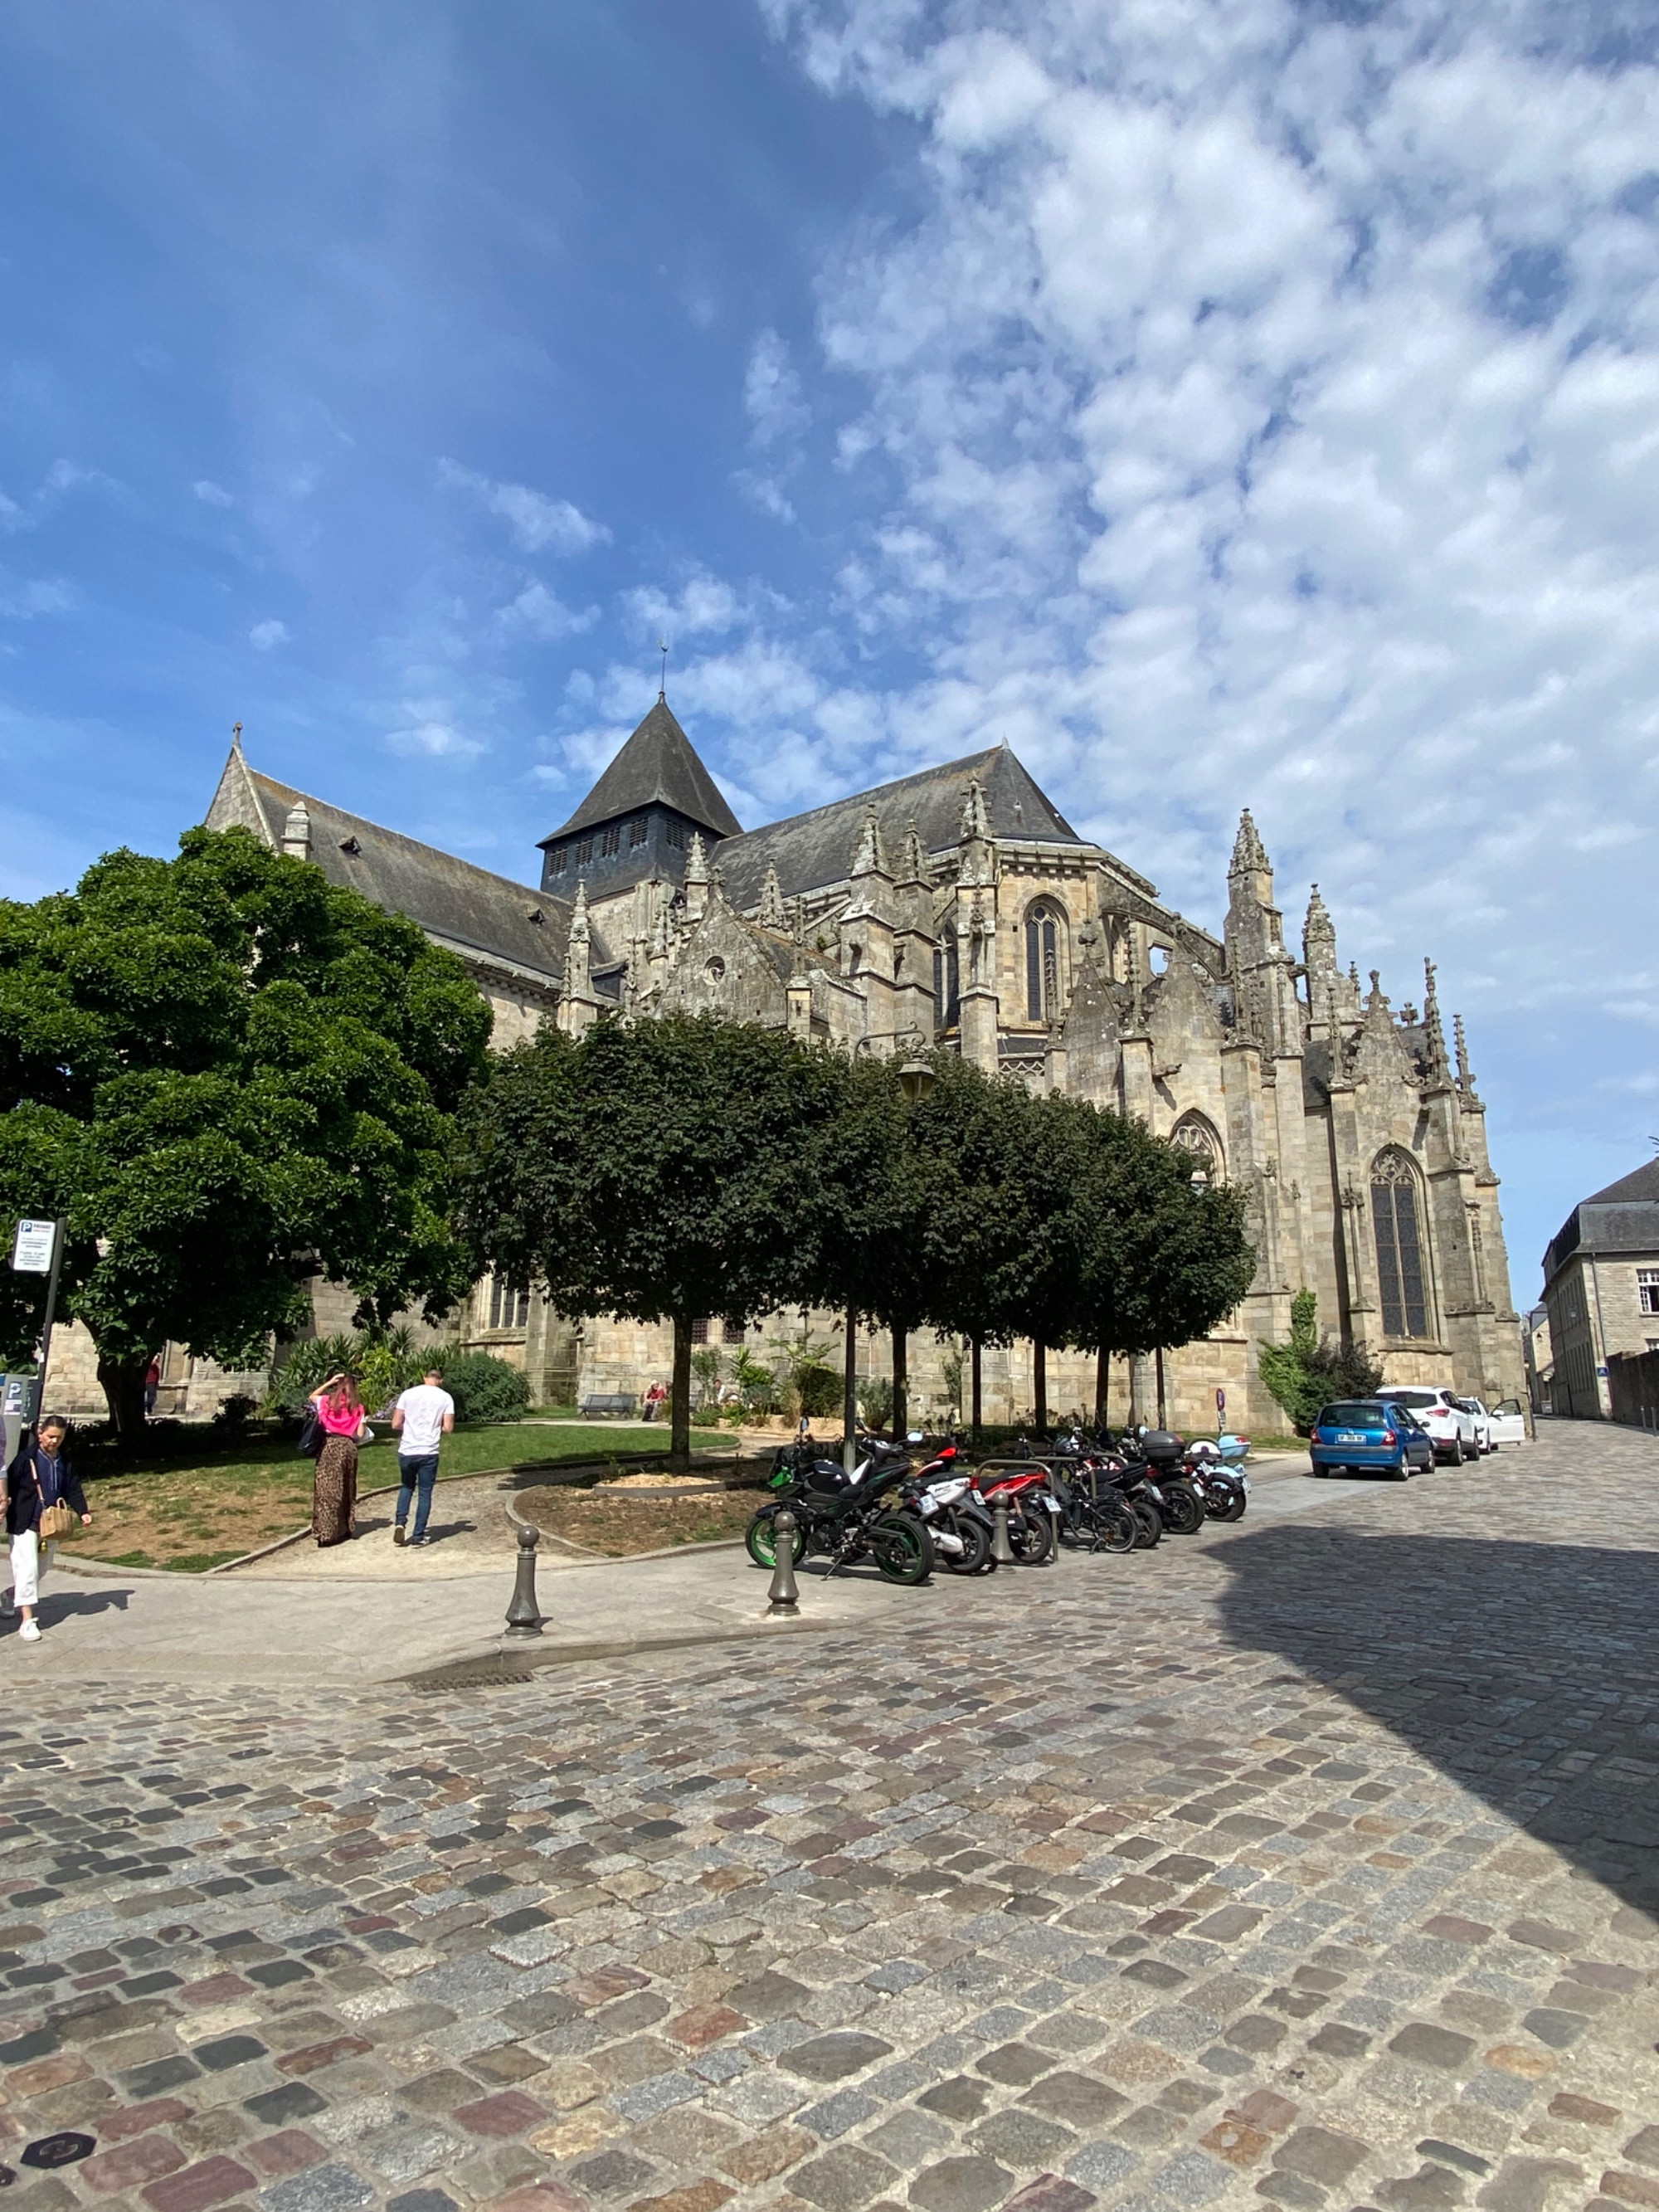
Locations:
{"points": [[210, 493], [432, 733], [21, 599], [537, 612], [772, 392], [266, 636], [539, 524]]}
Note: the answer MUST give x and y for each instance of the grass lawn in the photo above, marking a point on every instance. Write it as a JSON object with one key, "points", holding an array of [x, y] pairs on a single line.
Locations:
{"points": [[197, 1514]]}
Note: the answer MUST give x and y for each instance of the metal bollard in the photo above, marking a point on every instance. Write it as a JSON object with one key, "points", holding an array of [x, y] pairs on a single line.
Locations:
{"points": [[524, 1616], [1001, 1550], [782, 1597]]}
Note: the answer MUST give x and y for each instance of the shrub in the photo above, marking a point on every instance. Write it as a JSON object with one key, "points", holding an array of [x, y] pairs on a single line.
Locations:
{"points": [[876, 1401], [1310, 1371], [706, 1367], [485, 1388], [819, 1391]]}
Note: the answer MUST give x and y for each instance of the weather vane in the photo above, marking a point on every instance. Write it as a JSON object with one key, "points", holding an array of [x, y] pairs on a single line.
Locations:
{"points": [[662, 647]]}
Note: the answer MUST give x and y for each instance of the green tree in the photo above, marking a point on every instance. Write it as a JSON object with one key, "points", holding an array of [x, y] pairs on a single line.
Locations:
{"points": [[230, 1077], [1310, 1371], [660, 1170]]}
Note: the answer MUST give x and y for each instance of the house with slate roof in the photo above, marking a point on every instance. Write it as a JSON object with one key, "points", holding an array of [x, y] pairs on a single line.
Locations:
{"points": [[1602, 1292], [958, 907]]}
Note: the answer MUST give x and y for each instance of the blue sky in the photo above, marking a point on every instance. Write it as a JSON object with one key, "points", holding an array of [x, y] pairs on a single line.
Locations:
{"points": [[1228, 403]]}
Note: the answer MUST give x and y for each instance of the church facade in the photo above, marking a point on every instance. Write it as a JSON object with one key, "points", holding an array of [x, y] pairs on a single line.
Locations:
{"points": [[959, 908]]}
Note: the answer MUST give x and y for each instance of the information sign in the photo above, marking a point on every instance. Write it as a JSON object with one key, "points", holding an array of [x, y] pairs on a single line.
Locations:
{"points": [[32, 1253]]}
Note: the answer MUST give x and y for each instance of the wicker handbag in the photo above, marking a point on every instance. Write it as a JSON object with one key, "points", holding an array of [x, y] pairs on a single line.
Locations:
{"points": [[58, 1520]]}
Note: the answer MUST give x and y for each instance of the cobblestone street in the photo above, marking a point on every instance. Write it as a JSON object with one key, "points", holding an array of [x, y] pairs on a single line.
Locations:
{"points": [[1313, 1862]]}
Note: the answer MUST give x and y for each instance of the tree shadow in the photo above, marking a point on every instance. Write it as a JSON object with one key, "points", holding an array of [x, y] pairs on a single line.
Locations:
{"points": [[1527, 1672]]}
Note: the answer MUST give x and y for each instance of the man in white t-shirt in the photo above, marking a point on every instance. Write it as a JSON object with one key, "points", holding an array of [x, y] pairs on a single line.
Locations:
{"points": [[421, 1420]]}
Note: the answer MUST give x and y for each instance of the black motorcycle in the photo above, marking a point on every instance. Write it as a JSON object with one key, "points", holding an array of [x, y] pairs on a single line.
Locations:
{"points": [[843, 1516]]}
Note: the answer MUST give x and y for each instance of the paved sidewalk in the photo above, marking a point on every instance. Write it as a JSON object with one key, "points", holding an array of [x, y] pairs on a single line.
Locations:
{"points": [[1312, 1862]]}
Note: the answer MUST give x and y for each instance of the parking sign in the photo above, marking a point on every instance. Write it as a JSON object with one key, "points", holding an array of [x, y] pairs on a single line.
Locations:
{"points": [[32, 1253]]}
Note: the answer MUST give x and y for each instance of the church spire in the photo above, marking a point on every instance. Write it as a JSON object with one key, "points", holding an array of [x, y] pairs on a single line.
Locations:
{"points": [[871, 857], [1249, 853], [1435, 1035], [772, 914]]}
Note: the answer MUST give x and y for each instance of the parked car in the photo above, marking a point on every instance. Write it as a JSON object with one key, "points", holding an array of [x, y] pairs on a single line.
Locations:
{"points": [[1508, 1423], [1483, 1442], [1451, 1430], [1363, 1436]]}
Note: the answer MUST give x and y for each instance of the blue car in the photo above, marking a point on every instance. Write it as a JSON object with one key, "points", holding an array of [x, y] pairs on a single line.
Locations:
{"points": [[1363, 1436]]}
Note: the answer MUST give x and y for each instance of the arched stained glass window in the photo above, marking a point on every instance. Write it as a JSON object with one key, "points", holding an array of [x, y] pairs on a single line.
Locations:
{"points": [[1044, 928], [1194, 1134], [947, 980], [1397, 1222]]}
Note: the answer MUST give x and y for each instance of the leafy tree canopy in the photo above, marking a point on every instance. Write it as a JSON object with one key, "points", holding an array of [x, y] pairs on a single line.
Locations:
{"points": [[1310, 1372], [229, 1075]]}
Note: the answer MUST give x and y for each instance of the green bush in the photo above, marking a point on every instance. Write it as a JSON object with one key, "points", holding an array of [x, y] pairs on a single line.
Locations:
{"points": [[485, 1388], [819, 1391], [1310, 1372], [876, 1401]]}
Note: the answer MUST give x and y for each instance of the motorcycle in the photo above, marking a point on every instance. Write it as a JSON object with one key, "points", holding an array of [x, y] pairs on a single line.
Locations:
{"points": [[842, 1516], [1094, 1511], [1032, 1506], [1225, 1491], [942, 1496], [1178, 1501]]}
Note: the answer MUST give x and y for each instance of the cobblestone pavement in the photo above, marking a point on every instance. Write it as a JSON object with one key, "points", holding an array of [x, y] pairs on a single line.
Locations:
{"points": [[1313, 1863]]}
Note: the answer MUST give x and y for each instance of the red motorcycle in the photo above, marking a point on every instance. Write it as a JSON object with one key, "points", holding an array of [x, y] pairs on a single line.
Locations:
{"points": [[1032, 1509]]}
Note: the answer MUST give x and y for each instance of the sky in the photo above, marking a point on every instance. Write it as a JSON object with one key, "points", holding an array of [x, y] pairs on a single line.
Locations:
{"points": [[1227, 402]]}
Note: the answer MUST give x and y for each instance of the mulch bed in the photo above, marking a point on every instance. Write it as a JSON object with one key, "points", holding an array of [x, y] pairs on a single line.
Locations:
{"points": [[620, 1524]]}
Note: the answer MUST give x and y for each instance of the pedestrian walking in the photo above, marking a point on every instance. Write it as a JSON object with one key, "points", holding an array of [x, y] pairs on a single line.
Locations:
{"points": [[421, 1419], [41, 1487], [334, 1492], [152, 1384]]}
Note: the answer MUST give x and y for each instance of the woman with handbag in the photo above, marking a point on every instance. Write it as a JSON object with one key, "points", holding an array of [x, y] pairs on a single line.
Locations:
{"points": [[334, 1493], [43, 1497]]}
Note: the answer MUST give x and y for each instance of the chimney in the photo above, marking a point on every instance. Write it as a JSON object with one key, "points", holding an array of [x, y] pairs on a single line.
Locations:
{"points": [[296, 832]]}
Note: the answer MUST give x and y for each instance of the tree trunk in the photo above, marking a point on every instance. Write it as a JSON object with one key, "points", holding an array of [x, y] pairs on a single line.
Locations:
{"points": [[901, 1381], [679, 1398], [1103, 1387], [849, 1395], [123, 1386], [1040, 1385], [977, 1409]]}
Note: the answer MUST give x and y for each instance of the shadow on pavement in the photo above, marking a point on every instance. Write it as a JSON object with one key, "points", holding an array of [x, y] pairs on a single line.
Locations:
{"points": [[1528, 1673], [63, 1605]]}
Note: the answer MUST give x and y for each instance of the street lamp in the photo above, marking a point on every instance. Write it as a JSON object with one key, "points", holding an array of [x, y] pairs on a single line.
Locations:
{"points": [[915, 1074]]}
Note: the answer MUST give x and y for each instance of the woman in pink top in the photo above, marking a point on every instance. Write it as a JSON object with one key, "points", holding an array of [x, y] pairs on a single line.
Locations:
{"points": [[334, 1493]]}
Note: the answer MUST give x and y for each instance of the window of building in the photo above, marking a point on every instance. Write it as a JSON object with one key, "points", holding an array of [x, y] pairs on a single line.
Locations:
{"points": [[557, 861], [611, 841], [1647, 1289], [947, 981], [1396, 1221], [1197, 1136], [734, 1332], [674, 835], [508, 1309], [638, 829], [583, 851], [1043, 928], [699, 1332]]}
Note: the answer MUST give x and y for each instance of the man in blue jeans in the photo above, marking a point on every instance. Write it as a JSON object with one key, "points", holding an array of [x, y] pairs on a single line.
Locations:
{"points": [[421, 1420]]}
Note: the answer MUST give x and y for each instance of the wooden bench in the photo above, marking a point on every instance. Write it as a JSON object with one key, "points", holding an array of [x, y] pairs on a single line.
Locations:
{"points": [[613, 1401]]}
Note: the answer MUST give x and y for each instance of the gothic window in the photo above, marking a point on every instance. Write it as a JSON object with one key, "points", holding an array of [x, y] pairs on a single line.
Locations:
{"points": [[508, 1309], [637, 829], [1397, 1221], [1045, 929], [947, 980], [1193, 1133], [611, 841]]}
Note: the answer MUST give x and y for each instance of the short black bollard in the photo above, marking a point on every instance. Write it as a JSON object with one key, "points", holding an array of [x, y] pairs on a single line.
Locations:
{"points": [[1001, 1550], [524, 1616], [782, 1597]]}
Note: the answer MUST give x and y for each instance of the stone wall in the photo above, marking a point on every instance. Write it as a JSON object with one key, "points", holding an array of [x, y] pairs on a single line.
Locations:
{"points": [[1633, 1389]]}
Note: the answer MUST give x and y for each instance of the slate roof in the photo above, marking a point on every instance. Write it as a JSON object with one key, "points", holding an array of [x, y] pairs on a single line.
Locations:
{"points": [[466, 908], [811, 850], [656, 767], [1623, 1217]]}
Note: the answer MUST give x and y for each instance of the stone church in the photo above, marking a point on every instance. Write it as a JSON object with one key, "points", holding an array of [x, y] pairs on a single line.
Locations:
{"points": [[958, 907]]}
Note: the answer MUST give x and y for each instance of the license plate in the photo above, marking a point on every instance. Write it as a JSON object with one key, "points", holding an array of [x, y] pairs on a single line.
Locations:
{"points": [[1351, 1437]]}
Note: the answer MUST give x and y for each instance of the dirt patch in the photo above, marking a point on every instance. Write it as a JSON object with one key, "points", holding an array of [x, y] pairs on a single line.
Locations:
{"points": [[611, 1522], [193, 1519], [651, 1481]]}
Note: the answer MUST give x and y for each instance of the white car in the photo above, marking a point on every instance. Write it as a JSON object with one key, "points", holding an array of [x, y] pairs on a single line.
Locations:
{"points": [[1505, 1424], [1452, 1428], [1483, 1442]]}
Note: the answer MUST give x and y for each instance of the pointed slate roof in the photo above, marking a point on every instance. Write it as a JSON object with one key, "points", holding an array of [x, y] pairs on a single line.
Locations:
{"points": [[459, 905], [1623, 1217], [656, 767], [1640, 1187], [812, 849]]}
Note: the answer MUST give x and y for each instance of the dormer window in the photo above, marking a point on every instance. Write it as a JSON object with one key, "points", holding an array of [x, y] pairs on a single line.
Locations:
{"points": [[350, 845], [536, 915]]}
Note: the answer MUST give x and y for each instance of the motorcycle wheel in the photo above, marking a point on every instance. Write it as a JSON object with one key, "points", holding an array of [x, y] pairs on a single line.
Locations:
{"points": [[1032, 1538], [1234, 1507], [1147, 1521], [975, 1548], [761, 1543], [901, 1547], [1117, 1527], [1186, 1514]]}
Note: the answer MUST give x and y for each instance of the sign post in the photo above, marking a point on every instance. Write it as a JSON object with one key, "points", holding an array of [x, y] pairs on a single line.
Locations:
{"points": [[1221, 1409], [38, 1250]]}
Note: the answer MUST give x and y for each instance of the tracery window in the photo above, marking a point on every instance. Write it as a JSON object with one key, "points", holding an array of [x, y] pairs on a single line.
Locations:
{"points": [[508, 1309], [1194, 1133], [947, 980], [1044, 934], [1396, 1220]]}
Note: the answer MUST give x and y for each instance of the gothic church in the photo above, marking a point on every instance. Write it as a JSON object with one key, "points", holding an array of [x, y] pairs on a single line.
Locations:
{"points": [[959, 906]]}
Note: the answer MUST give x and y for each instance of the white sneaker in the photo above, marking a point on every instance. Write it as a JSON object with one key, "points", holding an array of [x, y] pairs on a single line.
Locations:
{"points": [[30, 1632]]}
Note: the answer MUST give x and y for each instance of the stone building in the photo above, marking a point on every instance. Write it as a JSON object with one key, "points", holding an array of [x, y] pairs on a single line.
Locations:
{"points": [[1602, 1291], [957, 906]]}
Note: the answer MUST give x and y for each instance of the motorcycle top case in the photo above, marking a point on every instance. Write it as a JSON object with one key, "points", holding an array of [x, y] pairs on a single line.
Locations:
{"points": [[1158, 1444]]}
